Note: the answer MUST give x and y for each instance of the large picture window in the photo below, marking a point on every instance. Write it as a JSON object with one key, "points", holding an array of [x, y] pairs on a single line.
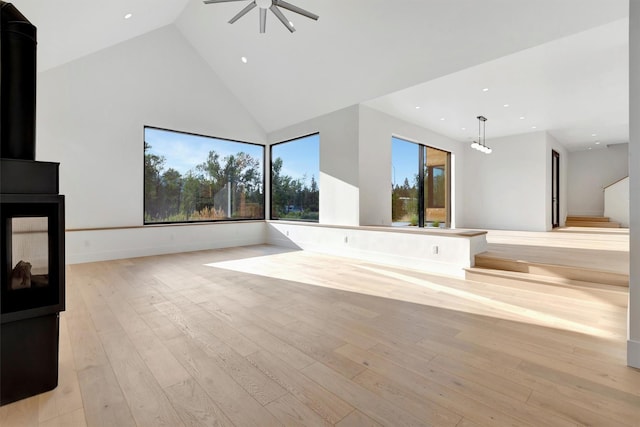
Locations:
{"points": [[295, 166], [191, 178], [420, 188]]}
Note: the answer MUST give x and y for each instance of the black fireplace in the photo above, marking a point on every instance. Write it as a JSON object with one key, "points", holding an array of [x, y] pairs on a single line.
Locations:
{"points": [[32, 281]]}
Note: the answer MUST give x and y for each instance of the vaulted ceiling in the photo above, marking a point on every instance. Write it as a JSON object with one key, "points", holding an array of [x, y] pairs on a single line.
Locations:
{"points": [[561, 64]]}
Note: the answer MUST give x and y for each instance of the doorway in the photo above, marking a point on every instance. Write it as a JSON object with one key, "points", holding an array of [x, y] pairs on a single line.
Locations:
{"points": [[421, 185], [555, 189]]}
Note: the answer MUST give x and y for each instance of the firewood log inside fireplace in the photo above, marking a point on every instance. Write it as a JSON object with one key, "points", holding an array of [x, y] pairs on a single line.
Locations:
{"points": [[21, 276]]}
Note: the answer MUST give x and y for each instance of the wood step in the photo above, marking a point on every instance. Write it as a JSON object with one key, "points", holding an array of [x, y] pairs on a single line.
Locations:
{"points": [[587, 218], [616, 295], [600, 224], [551, 270]]}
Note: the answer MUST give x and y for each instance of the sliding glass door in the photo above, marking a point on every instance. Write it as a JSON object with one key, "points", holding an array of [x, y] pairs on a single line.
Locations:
{"points": [[436, 186], [420, 188]]}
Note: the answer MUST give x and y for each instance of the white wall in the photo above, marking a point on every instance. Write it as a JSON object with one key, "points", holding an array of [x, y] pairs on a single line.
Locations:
{"points": [[589, 172], [507, 190], [355, 162], [554, 144], [376, 130], [633, 343], [91, 114], [339, 179], [100, 245]]}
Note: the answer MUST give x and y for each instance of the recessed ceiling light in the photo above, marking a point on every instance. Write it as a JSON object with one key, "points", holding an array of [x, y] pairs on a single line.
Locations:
{"points": [[505, 105], [128, 15], [442, 118], [534, 127], [593, 134], [244, 59], [417, 107], [521, 117], [597, 142], [486, 89], [464, 128]]}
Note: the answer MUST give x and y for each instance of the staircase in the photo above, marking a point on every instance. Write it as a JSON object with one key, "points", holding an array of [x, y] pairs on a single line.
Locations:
{"points": [[591, 221], [493, 268], [599, 285], [596, 263]]}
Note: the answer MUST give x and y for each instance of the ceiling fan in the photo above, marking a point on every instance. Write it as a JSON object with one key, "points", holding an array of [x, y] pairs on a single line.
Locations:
{"points": [[272, 5]]}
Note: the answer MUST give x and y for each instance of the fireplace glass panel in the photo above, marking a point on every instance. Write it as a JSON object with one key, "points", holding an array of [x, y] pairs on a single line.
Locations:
{"points": [[30, 252]]}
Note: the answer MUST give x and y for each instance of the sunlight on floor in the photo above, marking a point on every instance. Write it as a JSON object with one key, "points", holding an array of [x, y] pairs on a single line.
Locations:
{"points": [[533, 316], [442, 292]]}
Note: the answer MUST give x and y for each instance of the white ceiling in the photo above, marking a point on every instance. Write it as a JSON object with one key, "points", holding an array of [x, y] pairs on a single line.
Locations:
{"points": [[575, 87], [360, 50], [70, 29]]}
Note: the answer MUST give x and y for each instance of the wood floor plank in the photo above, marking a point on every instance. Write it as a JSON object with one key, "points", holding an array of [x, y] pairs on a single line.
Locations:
{"points": [[315, 315], [67, 397], [628, 380], [265, 336], [319, 347], [497, 384], [326, 404], [443, 383], [23, 413], [71, 419], [289, 354], [86, 345], [237, 404], [410, 395], [291, 412], [254, 381], [104, 402], [162, 364], [358, 419], [574, 413], [364, 400], [148, 403], [411, 357], [195, 407]]}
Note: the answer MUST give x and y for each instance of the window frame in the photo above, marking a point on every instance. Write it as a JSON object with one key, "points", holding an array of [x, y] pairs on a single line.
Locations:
{"points": [[271, 218], [202, 221]]}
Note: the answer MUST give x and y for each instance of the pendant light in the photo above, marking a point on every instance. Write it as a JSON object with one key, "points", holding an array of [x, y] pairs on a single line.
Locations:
{"points": [[481, 143]]}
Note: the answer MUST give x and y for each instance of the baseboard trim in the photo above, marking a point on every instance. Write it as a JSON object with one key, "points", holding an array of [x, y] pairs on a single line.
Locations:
{"points": [[633, 353]]}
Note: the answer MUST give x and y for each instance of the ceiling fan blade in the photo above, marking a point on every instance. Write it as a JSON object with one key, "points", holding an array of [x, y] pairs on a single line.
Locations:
{"points": [[243, 12], [282, 18], [296, 9], [263, 20], [218, 1]]}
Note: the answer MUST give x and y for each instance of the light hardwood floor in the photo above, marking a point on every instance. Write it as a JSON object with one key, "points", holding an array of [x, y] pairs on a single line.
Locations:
{"points": [[262, 336]]}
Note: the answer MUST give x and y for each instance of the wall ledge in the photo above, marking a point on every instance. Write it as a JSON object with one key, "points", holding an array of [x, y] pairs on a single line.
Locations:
{"points": [[449, 232]]}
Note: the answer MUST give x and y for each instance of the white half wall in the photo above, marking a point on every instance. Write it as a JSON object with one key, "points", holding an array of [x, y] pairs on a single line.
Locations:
{"points": [[339, 179], [376, 130], [633, 343], [91, 115], [590, 171], [446, 252], [507, 190]]}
